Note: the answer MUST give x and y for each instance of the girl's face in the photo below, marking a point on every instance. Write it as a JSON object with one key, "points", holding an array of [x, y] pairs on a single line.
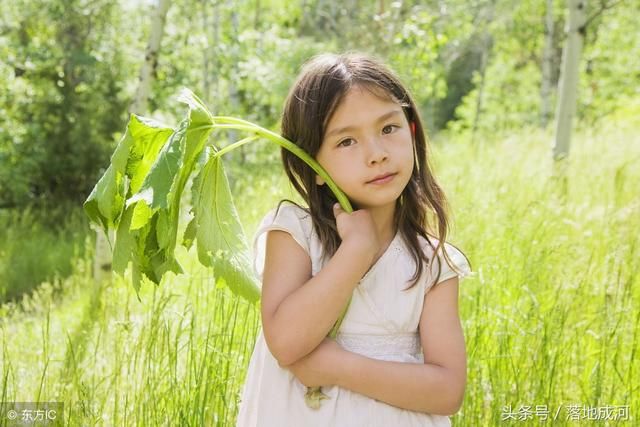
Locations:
{"points": [[368, 137]]}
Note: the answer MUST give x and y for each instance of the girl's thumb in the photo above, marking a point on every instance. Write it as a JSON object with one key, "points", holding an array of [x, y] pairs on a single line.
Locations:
{"points": [[336, 209]]}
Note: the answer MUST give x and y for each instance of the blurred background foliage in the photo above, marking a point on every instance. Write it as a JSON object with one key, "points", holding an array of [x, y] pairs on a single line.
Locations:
{"points": [[69, 71], [551, 317]]}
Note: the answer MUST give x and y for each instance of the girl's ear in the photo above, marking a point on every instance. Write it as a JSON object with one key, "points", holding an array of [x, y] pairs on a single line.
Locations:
{"points": [[319, 180]]}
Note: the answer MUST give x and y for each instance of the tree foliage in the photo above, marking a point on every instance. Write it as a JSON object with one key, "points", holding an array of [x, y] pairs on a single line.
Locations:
{"points": [[63, 98], [70, 69]]}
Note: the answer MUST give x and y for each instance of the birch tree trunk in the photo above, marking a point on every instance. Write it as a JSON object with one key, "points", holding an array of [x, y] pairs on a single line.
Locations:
{"points": [[234, 100], [568, 86], [486, 45], [151, 57], [547, 58], [304, 20], [215, 32], [206, 56]]}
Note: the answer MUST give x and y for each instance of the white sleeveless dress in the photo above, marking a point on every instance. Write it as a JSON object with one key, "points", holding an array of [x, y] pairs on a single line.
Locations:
{"points": [[381, 323]]}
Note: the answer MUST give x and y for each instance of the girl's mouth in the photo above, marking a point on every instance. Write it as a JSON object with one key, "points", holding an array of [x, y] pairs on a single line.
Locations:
{"points": [[382, 179]]}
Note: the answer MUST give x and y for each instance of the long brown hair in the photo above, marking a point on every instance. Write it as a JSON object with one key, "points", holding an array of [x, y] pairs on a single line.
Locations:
{"points": [[422, 208]]}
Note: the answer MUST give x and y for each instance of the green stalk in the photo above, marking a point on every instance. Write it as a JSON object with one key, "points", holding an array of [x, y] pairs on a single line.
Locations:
{"points": [[239, 124], [235, 145], [224, 122]]}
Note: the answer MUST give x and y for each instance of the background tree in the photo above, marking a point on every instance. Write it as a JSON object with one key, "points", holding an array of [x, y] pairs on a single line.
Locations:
{"points": [[62, 97], [150, 64], [71, 70], [547, 66], [569, 77]]}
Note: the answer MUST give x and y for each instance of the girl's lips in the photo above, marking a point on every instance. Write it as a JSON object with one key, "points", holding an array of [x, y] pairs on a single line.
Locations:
{"points": [[382, 180]]}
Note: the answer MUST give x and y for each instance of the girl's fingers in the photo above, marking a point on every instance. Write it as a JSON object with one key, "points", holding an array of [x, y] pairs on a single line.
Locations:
{"points": [[337, 210]]}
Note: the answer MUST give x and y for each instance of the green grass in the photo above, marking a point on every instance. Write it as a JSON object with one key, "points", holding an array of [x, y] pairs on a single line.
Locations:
{"points": [[551, 316], [38, 244]]}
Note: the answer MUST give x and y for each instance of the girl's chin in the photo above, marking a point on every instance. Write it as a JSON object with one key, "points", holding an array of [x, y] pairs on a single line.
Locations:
{"points": [[373, 204]]}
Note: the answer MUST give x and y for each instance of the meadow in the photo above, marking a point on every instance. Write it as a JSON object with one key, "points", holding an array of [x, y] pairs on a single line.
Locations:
{"points": [[551, 314]]}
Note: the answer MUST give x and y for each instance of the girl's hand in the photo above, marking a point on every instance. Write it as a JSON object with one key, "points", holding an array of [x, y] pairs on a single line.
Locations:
{"points": [[320, 367], [357, 229]]}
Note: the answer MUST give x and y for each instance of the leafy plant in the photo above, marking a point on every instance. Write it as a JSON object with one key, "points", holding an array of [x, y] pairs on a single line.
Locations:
{"points": [[139, 196]]}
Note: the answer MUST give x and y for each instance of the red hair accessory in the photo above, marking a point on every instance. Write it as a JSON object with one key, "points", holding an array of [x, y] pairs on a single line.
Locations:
{"points": [[413, 127]]}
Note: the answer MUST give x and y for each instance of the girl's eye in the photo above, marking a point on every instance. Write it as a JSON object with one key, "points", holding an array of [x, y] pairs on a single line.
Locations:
{"points": [[345, 142], [388, 129]]}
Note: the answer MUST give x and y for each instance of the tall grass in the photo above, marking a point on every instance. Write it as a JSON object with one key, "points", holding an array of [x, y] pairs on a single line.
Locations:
{"points": [[177, 358], [551, 316], [38, 244]]}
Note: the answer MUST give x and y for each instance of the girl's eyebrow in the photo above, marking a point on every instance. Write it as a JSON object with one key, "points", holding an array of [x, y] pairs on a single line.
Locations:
{"points": [[382, 118]]}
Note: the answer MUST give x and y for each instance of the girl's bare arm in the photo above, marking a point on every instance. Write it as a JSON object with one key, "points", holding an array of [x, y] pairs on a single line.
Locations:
{"points": [[435, 387], [299, 310]]}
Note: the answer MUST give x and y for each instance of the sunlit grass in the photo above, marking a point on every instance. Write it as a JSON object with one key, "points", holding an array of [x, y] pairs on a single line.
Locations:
{"points": [[551, 316], [38, 244]]}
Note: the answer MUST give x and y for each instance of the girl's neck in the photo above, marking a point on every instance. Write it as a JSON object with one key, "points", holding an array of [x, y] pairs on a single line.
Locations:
{"points": [[383, 218]]}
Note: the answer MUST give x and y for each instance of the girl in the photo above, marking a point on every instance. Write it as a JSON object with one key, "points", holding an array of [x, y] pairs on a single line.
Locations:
{"points": [[399, 356]]}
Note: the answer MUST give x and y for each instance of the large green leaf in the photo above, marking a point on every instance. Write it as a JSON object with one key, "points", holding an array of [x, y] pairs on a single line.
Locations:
{"points": [[158, 183], [149, 137], [163, 186], [140, 195], [148, 236], [130, 161], [220, 238], [125, 249], [135, 155]]}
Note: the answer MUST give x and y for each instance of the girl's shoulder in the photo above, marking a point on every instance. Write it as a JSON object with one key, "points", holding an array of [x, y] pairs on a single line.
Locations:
{"points": [[429, 246], [457, 263], [290, 217], [292, 210]]}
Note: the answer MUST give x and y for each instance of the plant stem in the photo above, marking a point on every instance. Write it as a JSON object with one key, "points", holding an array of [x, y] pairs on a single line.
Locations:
{"points": [[221, 122], [236, 145]]}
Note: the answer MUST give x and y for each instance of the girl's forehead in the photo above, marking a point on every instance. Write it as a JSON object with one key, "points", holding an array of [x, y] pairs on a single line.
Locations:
{"points": [[359, 103], [369, 92]]}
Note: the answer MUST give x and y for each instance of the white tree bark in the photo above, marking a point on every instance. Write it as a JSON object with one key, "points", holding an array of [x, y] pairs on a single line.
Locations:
{"points": [[486, 18], [547, 58], [206, 56], [150, 63], [569, 74], [234, 100], [214, 100]]}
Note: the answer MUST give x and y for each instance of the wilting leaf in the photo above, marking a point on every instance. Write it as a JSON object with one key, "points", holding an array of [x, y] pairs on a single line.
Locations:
{"points": [[190, 233], [220, 238], [140, 195], [157, 184], [138, 146]]}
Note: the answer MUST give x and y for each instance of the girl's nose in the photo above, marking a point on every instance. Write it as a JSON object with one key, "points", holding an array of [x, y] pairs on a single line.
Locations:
{"points": [[377, 151]]}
